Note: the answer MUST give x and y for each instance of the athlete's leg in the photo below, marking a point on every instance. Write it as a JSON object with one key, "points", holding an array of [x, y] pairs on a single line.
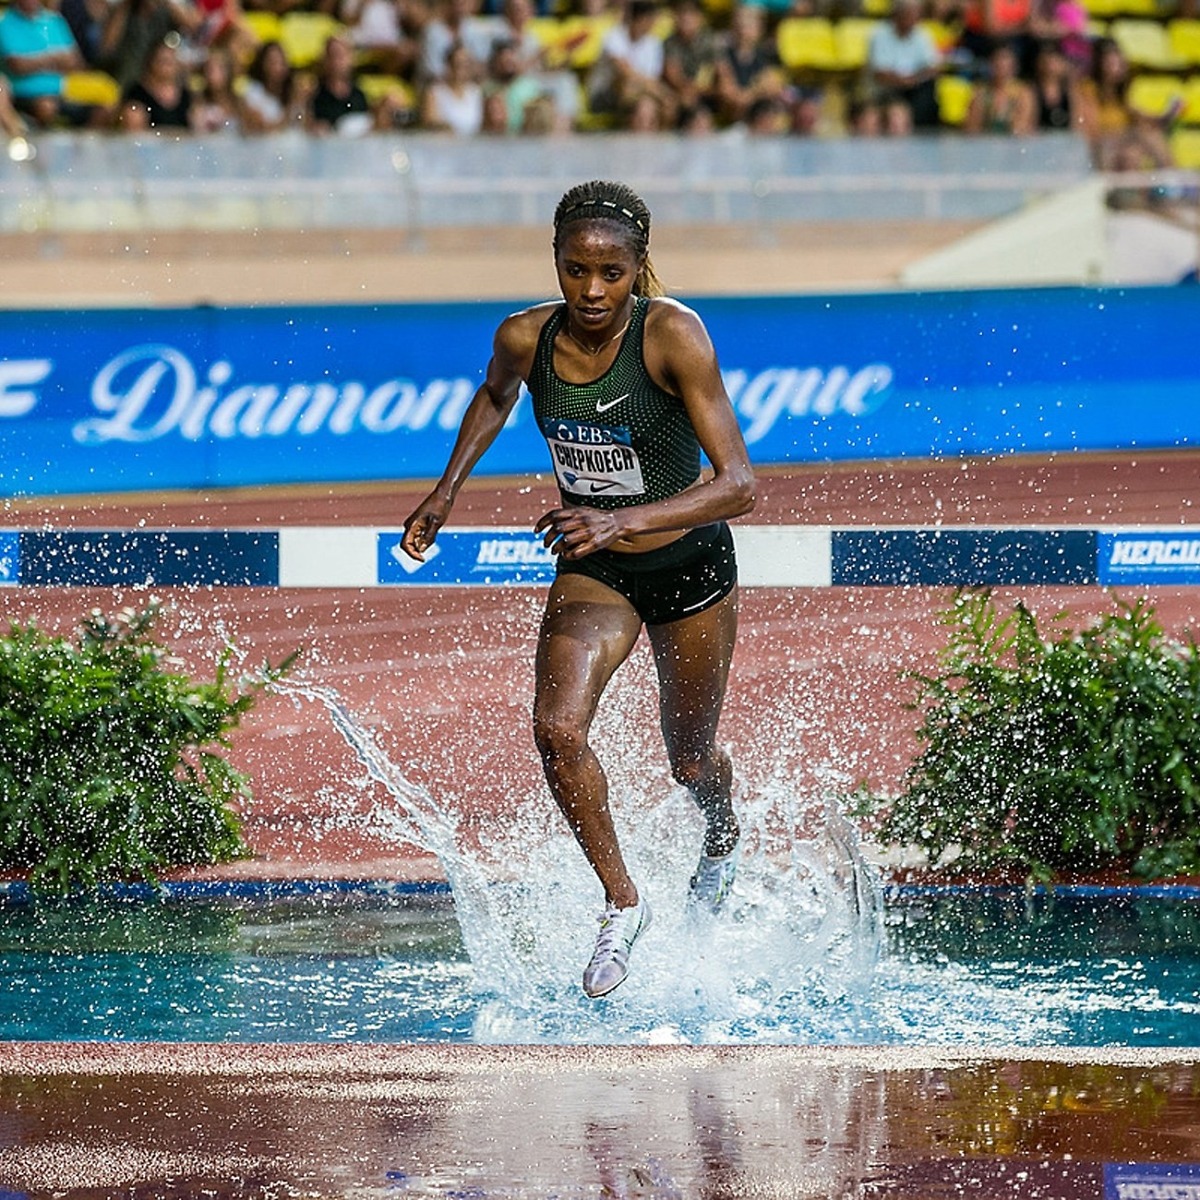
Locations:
{"points": [[587, 632], [693, 656]]}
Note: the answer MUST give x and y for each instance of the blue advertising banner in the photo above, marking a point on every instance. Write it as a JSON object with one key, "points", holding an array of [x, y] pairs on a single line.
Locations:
{"points": [[468, 556], [103, 400], [1148, 557], [1152, 1181], [10, 558]]}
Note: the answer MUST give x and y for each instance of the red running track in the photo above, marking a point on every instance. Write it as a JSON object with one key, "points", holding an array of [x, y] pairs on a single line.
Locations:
{"points": [[444, 677]]}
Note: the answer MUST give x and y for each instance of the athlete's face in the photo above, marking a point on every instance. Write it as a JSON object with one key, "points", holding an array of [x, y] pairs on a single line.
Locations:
{"points": [[597, 268]]}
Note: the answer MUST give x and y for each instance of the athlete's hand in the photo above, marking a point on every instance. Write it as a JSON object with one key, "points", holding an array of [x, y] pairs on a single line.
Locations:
{"points": [[422, 527], [576, 532]]}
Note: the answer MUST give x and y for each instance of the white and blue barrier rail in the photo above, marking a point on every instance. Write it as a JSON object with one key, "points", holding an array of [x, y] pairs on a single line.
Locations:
{"points": [[769, 556]]}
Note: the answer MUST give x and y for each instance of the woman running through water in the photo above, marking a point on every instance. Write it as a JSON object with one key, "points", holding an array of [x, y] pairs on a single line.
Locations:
{"points": [[627, 392]]}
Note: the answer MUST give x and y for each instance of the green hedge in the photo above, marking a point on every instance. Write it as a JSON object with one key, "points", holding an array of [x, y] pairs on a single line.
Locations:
{"points": [[1051, 755], [111, 763]]}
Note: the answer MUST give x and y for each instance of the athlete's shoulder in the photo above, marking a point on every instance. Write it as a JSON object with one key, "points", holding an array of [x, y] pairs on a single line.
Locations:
{"points": [[528, 321], [517, 335], [670, 322]]}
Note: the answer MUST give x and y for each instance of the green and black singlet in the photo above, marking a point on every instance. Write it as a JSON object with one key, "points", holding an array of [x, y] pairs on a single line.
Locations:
{"points": [[620, 439]]}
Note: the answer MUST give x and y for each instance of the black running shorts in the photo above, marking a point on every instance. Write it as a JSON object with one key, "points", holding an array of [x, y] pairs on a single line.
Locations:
{"points": [[687, 576]]}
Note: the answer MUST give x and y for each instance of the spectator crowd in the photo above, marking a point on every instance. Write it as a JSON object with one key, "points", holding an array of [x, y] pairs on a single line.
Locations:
{"points": [[505, 67]]}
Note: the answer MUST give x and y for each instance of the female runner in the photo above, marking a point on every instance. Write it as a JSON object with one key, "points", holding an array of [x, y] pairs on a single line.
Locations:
{"points": [[627, 393]]}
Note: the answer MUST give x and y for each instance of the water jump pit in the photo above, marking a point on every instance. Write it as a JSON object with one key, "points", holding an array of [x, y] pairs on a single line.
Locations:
{"points": [[824, 1038]]}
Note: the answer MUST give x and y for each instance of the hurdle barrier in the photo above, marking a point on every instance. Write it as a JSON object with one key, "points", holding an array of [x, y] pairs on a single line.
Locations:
{"points": [[769, 556]]}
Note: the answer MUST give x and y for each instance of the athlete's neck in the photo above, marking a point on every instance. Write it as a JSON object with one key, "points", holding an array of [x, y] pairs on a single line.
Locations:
{"points": [[594, 350]]}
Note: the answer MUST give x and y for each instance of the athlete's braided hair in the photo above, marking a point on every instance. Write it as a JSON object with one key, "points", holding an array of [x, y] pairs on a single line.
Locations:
{"points": [[605, 200]]}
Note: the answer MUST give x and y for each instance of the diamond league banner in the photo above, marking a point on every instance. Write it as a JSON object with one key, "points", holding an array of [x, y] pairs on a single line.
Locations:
{"points": [[127, 399]]}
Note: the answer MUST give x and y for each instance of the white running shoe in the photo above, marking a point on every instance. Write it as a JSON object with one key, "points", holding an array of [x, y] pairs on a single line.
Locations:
{"points": [[712, 880], [619, 929]]}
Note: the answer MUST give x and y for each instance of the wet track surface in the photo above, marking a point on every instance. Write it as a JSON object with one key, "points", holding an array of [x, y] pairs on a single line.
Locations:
{"points": [[445, 679]]}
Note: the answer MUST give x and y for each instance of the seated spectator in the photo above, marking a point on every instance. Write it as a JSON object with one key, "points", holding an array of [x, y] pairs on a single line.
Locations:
{"points": [[274, 95], [989, 24], [216, 108], [1002, 103], [495, 115], [457, 22], [902, 65], [87, 19], [518, 88], [863, 118], [746, 66], [768, 116], [645, 115], [338, 104], [560, 87], [377, 30], [37, 49], [698, 121], [10, 120], [1065, 23], [631, 65], [221, 24], [542, 116], [135, 28], [513, 26], [160, 99], [1055, 90], [454, 104], [1122, 137], [690, 55]]}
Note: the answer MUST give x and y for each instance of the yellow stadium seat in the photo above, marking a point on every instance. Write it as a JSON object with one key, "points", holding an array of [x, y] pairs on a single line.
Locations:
{"points": [[1191, 102], [1154, 94], [945, 37], [806, 43], [303, 36], [1144, 44], [1185, 147], [953, 98], [266, 26], [376, 87], [91, 87], [877, 8], [549, 32], [1138, 8], [852, 38], [1103, 9], [1183, 36], [583, 38]]}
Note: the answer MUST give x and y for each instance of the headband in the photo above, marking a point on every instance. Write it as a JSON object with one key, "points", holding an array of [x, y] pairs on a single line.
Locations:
{"points": [[616, 210]]}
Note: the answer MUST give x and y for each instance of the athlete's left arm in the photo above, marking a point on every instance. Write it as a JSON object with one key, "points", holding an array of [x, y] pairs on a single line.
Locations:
{"points": [[680, 357]]}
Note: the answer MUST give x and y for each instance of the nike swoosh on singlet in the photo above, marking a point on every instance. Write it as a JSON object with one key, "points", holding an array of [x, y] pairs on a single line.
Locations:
{"points": [[602, 487], [605, 405]]}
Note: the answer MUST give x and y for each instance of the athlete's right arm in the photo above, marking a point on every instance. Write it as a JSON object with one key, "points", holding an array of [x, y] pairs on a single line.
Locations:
{"points": [[512, 355]]}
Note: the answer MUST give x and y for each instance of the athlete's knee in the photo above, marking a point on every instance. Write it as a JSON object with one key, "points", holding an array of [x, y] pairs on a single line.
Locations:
{"points": [[558, 738]]}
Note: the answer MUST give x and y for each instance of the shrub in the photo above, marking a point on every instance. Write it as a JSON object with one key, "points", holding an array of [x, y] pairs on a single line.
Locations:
{"points": [[1053, 755], [109, 767]]}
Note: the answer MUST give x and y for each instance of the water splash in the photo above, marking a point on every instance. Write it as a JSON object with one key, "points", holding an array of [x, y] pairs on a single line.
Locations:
{"points": [[790, 959]]}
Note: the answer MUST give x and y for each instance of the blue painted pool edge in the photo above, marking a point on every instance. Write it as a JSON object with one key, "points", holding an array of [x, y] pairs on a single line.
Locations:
{"points": [[18, 892]]}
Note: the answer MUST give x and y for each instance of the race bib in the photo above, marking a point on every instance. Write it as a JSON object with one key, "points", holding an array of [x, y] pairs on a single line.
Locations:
{"points": [[593, 460]]}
